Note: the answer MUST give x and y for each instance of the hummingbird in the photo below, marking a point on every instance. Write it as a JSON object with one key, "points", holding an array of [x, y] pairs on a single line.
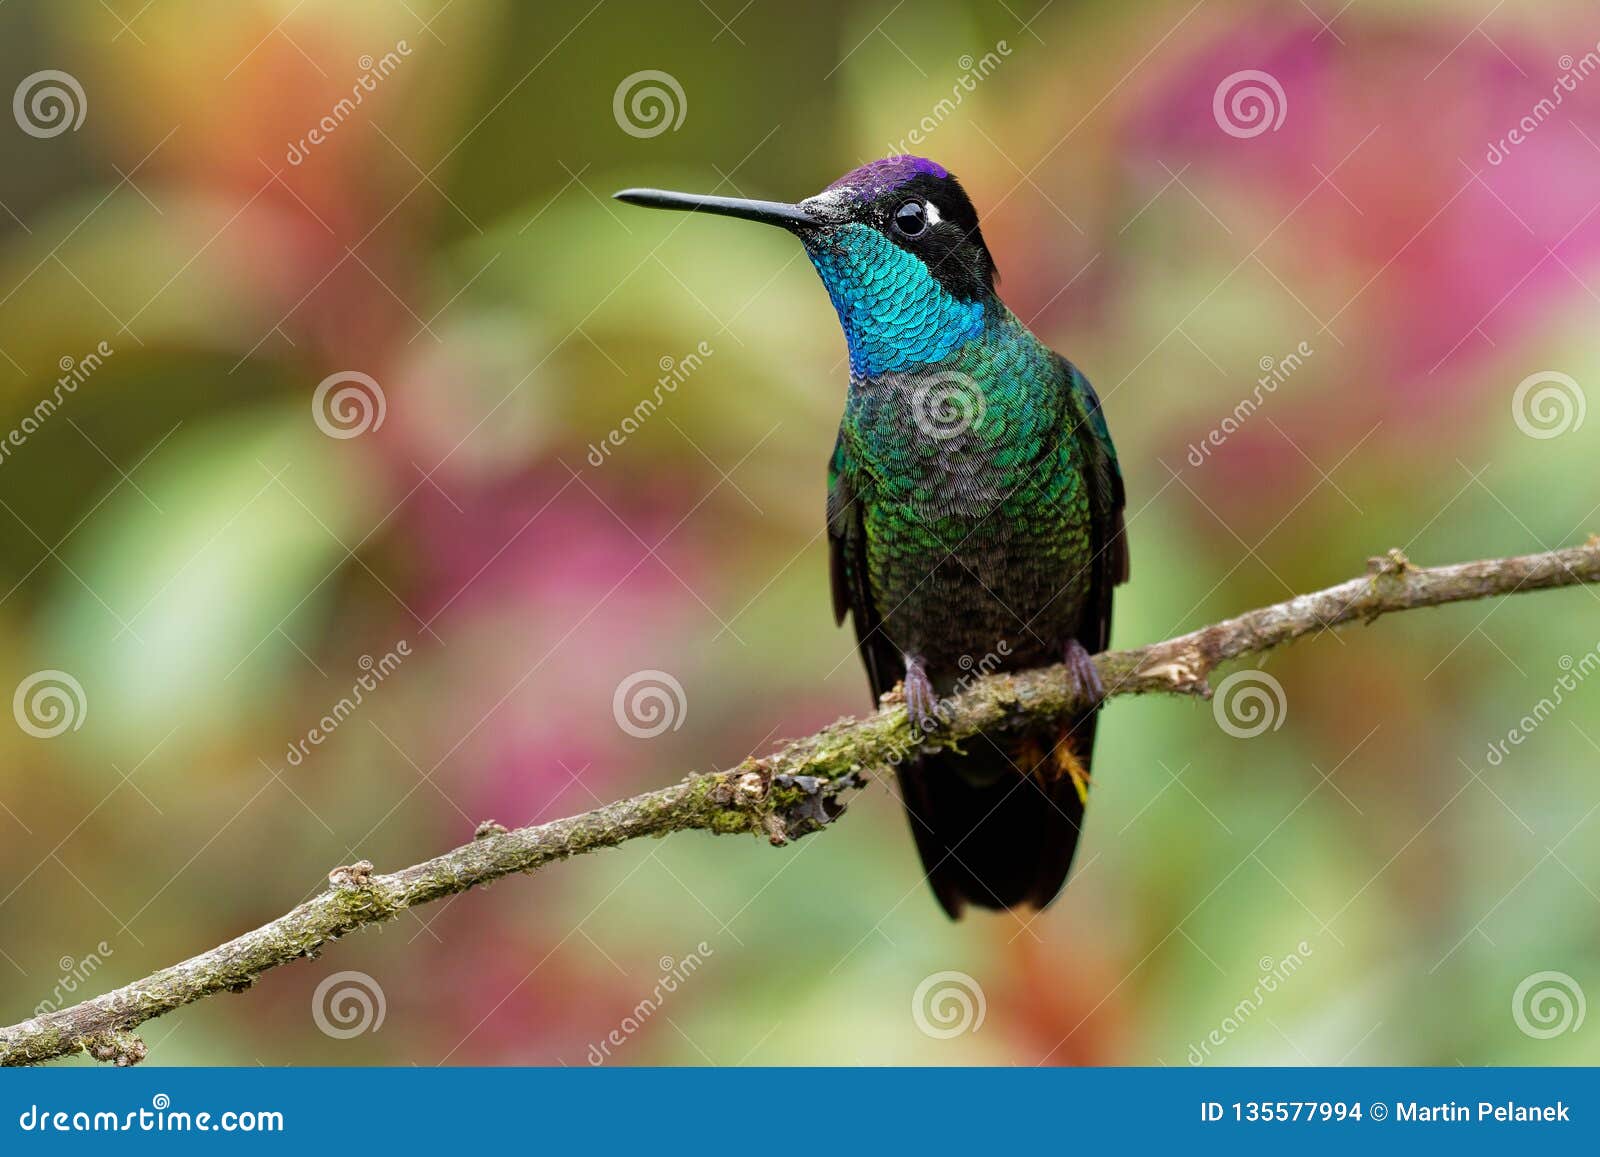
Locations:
{"points": [[974, 515]]}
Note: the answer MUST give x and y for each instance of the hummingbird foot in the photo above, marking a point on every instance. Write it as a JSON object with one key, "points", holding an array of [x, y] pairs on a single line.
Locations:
{"points": [[922, 702], [1083, 678]]}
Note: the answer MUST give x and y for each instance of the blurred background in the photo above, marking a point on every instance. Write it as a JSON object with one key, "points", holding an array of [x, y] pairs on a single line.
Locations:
{"points": [[366, 473]]}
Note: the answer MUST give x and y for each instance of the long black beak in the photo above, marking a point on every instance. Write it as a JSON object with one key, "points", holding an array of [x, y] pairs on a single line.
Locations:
{"points": [[790, 217]]}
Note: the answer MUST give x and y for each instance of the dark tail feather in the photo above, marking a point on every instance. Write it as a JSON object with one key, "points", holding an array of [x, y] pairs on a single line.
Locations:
{"points": [[997, 826]]}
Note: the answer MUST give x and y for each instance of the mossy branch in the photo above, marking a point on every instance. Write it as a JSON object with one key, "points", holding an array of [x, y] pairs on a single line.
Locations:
{"points": [[782, 796]]}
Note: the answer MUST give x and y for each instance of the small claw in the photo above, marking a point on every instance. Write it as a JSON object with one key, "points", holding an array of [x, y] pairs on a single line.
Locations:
{"points": [[1083, 677], [922, 702]]}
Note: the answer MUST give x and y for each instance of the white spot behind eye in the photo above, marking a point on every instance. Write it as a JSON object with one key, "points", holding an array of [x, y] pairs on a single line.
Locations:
{"points": [[932, 213]]}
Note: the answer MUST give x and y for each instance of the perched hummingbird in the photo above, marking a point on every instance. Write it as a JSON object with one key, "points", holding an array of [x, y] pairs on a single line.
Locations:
{"points": [[975, 513]]}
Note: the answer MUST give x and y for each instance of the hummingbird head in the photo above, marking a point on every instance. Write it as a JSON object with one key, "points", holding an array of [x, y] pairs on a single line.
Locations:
{"points": [[898, 248]]}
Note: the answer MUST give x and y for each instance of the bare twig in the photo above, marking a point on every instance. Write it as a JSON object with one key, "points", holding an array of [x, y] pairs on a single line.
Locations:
{"points": [[789, 793]]}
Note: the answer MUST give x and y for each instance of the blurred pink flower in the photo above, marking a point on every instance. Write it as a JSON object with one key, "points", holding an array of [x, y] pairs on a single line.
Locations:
{"points": [[1376, 202], [560, 574]]}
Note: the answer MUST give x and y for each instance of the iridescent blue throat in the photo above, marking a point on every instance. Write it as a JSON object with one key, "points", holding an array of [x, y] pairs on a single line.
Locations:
{"points": [[896, 316]]}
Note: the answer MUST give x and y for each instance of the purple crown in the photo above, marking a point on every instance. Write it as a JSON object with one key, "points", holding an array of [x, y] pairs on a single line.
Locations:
{"points": [[878, 177]]}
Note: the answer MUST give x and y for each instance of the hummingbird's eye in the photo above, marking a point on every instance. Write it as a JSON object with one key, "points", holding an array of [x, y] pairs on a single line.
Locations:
{"points": [[911, 219]]}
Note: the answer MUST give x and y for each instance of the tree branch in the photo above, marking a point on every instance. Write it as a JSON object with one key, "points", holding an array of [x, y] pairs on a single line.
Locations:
{"points": [[782, 796]]}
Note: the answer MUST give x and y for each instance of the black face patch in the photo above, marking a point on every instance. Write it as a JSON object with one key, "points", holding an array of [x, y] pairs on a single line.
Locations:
{"points": [[950, 243]]}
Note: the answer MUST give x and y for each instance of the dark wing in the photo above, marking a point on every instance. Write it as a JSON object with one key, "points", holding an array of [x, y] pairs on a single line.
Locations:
{"points": [[847, 567], [1107, 500]]}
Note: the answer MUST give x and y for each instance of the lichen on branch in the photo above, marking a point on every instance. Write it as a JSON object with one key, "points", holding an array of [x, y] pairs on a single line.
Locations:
{"points": [[789, 793]]}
